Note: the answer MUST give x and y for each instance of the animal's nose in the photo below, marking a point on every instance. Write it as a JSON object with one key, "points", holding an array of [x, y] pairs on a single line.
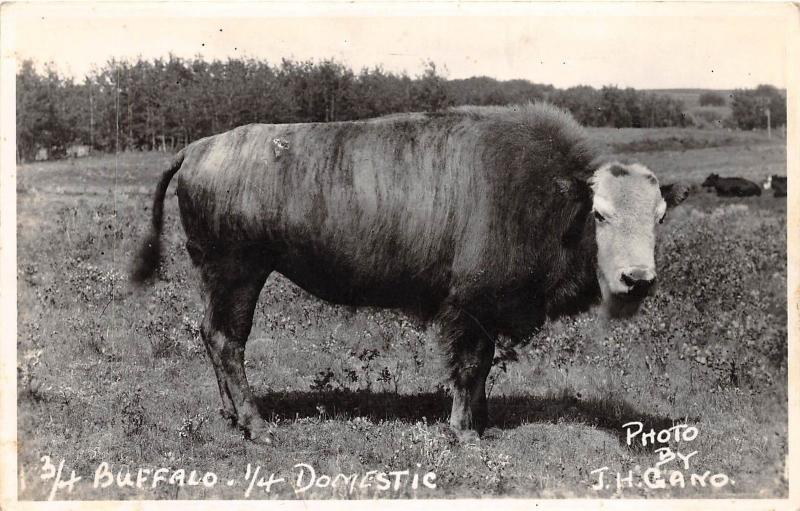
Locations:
{"points": [[639, 281]]}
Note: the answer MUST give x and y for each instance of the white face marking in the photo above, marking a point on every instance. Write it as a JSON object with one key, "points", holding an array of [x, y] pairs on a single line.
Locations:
{"points": [[627, 205], [603, 206], [661, 210]]}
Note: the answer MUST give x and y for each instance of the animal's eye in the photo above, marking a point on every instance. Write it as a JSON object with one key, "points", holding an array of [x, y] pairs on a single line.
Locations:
{"points": [[597, 216]]}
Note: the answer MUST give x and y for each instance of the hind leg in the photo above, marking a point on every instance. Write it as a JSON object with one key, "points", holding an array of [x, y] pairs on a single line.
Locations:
{"points": [[231, 288], [228, 410]]}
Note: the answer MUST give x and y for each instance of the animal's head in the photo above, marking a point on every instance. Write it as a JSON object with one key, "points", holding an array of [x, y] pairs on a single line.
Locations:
{"points": [[627, 204], [710, 180], [767, 183]]}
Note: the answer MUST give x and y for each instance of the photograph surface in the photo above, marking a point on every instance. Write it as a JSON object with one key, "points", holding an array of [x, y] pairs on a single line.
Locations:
{"points": [[332, 251]]}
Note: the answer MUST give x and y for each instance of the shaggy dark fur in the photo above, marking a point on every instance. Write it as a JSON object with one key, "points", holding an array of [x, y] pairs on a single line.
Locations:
{"points": [[732, 186], [477, 217], [778, 186]]}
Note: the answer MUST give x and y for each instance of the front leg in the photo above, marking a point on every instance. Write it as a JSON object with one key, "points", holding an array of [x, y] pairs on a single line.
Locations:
{"points": [[469, 350]]}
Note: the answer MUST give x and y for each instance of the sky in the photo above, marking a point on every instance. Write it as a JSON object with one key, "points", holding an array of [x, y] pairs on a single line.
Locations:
{"points": [[685, 45]]}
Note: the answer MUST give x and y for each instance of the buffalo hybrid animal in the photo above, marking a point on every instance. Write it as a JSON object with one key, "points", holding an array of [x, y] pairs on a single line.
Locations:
{"points": [[486, 220], [732, 186], [777, 184]]}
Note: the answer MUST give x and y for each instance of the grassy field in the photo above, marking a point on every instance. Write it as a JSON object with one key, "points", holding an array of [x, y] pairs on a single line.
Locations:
{"points": [[111, 375]]}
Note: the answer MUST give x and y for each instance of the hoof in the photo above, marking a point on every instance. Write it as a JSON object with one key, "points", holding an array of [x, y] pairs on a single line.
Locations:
{"points": [[228, 416], [261, 436], [467, 437]]}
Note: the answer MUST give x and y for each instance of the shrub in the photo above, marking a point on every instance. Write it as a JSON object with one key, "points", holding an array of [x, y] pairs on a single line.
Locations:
{"points": [[749, 106], [712, 99]]}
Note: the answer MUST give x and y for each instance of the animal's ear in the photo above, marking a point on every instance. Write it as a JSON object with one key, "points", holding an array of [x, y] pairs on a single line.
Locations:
{"points": [[675, 193], [572, 187]]}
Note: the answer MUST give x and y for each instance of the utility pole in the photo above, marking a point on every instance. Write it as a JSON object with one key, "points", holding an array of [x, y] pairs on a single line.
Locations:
{"points": [[91, 118], [763, 103], [769, 123]]}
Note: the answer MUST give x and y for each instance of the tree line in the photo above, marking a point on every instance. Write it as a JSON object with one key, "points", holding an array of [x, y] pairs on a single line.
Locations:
{"points": [[749, 107], [163, 104]]}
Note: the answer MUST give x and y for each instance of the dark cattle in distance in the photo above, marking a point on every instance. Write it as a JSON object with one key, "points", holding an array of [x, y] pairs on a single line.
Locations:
{"points": [[732, 186], [777, 184], [486, 220]]}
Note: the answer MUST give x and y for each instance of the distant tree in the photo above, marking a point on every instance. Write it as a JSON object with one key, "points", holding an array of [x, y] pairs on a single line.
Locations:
{"points": [[749, 107], [661, 111], [47, 111], [380, 93], [33, 110], [711, 99], [334, 83], [478, 90], [583, 101], [524, 91], [429, 91], [296, 78], [482, 90], [775, 99], [632, 102], [745, 110], [613, 108], [271, 100], [166, 103]]}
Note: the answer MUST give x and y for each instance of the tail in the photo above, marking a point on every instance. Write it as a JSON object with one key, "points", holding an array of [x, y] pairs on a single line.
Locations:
{"points": [[146, 261]]}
